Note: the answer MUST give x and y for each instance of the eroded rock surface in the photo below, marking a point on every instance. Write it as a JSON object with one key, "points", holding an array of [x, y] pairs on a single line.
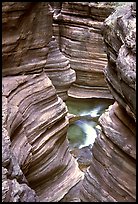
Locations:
{"points": [[112, 174], [15, 187], [120, 38], [37, 165], [77, 27], [36, 123], [28, 45], [58, 69]]}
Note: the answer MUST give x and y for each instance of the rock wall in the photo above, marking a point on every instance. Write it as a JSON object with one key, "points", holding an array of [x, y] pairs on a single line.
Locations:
{"points": [[77, 27], [28, 44], [15, 187], [112, 174], [36, 162]]}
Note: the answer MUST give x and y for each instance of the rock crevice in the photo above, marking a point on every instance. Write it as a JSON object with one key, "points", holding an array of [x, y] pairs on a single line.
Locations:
{"points": [[43, 61]]}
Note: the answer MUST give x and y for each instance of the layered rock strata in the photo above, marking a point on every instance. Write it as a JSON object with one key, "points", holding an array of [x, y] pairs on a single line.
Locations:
{"points": [[58, 69], [28, 44], [37, 165], [36, 123], [112, 174], [77, 27], [120, 38], [15, 187]]}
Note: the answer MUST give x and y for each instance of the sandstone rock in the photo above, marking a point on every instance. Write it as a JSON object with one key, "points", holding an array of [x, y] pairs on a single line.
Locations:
{"points": [[36, 158], [37, 165], [14, 184], [15, 192], [28, 45], [37, 123], [120, 38], [78, 31], [59, 70], [112, 174], [73, 194], [122, 131], [24, 37]]}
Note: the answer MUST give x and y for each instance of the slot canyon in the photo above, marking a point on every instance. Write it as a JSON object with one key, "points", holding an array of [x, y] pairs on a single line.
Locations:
{"points": [[68, 68]]}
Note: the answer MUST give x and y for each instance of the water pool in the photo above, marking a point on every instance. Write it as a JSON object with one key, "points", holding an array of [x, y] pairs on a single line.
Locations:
{"points": [[83, 131]]}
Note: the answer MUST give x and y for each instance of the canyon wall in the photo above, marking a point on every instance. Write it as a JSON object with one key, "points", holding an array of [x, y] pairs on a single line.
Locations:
{"points": [[77, 28], [36, 162], [28, 44], [44, 61], [112, 174]]}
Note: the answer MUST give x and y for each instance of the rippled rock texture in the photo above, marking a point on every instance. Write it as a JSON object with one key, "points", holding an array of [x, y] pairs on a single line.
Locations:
{"points": [[120, 39], [36, 123], [36, 163], [112, 174], [15, 187], [77, 27], [28, 44]]}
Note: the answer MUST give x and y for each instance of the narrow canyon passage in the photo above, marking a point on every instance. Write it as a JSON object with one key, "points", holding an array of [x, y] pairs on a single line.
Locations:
{"points": [[85, 117], [84, 121], [84, 126], [68, 102]]}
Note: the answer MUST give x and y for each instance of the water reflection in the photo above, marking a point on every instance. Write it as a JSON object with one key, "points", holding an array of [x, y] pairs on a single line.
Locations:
{"points": [[83, 132]]}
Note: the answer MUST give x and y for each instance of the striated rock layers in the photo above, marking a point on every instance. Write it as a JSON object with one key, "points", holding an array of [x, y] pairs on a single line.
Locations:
{"points": [[112, 174], [36, 123], [36, 163], [77, 27], [28, 44], [15, 187]]}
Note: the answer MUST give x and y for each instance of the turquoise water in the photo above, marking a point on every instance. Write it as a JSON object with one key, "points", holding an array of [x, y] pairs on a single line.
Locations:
{"points": [[83, 132]]}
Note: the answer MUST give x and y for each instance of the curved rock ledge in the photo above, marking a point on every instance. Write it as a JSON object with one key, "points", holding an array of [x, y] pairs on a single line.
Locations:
{"points": [[37, 165], [58, 70], [28, 45], [15, 187], [77, 27], [37, 126], [112, 174]]}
